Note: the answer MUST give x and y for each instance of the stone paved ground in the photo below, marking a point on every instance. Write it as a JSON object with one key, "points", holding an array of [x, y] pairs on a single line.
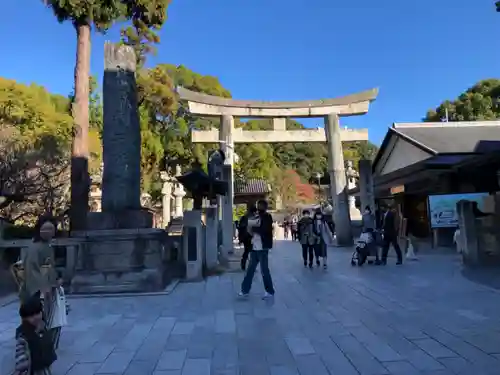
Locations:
{"points": [[421, 318]]}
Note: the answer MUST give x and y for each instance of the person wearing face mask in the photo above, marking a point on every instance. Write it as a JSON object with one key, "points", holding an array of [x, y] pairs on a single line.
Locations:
{"points": [[40, 276], [306, 238], [322, 237], [260, 228]]}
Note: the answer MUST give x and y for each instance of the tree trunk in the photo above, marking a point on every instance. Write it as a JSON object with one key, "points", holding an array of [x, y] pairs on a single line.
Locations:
{"points": [[80, 180]]}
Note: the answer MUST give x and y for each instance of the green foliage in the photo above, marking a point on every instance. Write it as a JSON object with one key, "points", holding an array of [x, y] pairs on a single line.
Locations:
{"points": [[35, 137], [102, 13], [38, 119], [238, 211], [497, 4], [480, 102]]}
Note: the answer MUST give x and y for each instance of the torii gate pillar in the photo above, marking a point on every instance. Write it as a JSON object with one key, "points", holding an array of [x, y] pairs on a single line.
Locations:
{"points": [[338, 181]]}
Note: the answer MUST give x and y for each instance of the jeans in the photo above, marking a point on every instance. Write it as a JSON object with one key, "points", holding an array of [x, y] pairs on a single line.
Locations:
{"points": [[256, 257], [308, 250]]}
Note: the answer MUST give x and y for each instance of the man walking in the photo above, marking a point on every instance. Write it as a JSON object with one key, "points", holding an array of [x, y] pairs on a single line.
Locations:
{"points": [[261, 229], [389, 227]]}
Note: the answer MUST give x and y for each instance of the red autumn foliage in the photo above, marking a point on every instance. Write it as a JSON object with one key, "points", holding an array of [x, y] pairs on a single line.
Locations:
{"points": [[295, 189]]}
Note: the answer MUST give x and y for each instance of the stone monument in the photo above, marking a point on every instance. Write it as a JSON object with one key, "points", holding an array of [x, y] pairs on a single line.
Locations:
{"points": [[120, 251], [179, 194], [352, 177], [329, 109], [366, 189], [166, 197]]}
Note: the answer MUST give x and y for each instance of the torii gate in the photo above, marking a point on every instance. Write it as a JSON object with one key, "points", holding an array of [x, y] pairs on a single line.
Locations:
{"points": [[329, 109]]}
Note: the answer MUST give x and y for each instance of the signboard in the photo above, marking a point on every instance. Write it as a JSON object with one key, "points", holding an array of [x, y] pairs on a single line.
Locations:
{"points": [[397, 189], [443, 208]]}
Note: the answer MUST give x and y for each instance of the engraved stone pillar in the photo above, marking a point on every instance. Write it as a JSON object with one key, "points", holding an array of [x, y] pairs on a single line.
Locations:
{"points": [[166, 198], [121, 131], [227, 146], [366, 189], [338, 183]]}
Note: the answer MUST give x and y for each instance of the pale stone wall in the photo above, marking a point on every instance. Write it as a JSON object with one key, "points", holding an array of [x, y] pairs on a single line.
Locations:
{"points": [[402, 155]]}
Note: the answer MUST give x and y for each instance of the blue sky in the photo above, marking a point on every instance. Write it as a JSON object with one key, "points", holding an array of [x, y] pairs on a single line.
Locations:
{"points": [[417, 52]]}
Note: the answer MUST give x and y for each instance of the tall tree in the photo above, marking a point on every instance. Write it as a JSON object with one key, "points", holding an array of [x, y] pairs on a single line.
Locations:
{"points": [[100, 15], [480, 102]]}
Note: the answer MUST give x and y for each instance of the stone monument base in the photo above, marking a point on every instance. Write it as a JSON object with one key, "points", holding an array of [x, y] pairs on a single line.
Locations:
{"points": [[127, 219], [120, 260]]}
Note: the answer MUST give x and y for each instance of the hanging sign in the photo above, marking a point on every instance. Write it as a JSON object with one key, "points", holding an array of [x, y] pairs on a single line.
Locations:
{"points": [[397, 189]]}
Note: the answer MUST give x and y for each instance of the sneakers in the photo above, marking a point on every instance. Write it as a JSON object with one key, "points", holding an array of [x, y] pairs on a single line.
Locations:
{"points": [[242, 295], [267, 295]]}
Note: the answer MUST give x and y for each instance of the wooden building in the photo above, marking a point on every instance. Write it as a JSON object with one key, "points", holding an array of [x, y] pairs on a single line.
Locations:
{"points": [[421, 159], [251, 190]]}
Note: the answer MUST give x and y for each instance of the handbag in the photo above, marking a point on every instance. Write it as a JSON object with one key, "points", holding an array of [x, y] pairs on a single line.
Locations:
{"points": [[59, 318]]}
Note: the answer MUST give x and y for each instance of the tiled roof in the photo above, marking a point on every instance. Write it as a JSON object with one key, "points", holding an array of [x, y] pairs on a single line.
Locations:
{"points": [[451, 137], [251, 186]]}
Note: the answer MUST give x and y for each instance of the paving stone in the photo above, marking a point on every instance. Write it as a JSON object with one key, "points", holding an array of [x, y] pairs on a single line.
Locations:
{"points": [[172, 360], [311, 365], [183, 328], [116, 363], [196, 367], [225, 321], [346, 321], [361, 358], [434, 348], [333, 358], [84, 369], [299, 346], [401, 368], [140, 368], [283, 370], [97, 353], [423, 361]]}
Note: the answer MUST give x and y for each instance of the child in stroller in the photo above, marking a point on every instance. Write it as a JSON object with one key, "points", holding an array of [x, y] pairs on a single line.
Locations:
{"points": [[366, 246]]}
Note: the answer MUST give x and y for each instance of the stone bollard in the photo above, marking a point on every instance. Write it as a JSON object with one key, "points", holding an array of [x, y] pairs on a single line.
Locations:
{"points": [[468, 232]]}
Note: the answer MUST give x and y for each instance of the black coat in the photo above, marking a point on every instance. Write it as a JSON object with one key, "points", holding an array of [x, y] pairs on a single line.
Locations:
{"points": [[389, 224], [265, 230]]}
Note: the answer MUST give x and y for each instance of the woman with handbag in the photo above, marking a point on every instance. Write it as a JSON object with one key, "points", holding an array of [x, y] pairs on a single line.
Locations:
{"points": [[40, 277]]}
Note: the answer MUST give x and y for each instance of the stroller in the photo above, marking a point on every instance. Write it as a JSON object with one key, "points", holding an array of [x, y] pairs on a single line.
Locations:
{"points": [[367, 247]]}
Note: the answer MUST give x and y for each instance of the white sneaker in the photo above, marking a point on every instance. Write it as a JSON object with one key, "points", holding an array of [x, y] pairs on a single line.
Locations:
{"points": [[242, 295], [267, 295]]}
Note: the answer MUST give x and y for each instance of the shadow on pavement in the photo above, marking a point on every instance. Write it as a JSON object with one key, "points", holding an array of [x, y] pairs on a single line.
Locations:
{"points": [[485, 276]]}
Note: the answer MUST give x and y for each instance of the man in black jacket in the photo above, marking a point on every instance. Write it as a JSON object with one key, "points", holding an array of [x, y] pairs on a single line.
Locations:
{"points": [[261, 229], [389, 227]]}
